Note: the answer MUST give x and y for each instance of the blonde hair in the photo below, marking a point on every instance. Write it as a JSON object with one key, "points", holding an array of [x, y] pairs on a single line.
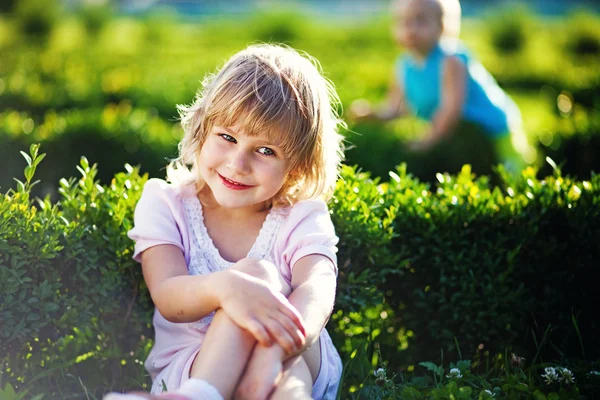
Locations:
{"points": [[273, 90]]}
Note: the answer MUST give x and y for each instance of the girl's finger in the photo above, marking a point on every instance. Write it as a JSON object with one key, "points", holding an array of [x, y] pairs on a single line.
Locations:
{"points": [[280, 336], [259, 332], [292, 330], [292, 313]]}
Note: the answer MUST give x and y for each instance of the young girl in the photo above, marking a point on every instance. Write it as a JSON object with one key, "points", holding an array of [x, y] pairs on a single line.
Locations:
{"points": [[436, 79], [238, 252]]}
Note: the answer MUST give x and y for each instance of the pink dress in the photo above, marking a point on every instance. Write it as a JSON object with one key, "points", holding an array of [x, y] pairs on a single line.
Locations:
{"points": [[170, 214]]}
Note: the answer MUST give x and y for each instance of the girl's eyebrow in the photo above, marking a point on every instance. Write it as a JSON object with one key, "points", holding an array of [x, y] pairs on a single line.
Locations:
{"points": [[233, 132]]}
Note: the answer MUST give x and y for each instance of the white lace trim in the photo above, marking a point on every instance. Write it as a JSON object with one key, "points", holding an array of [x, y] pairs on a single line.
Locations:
{"points": [[205, 257]]}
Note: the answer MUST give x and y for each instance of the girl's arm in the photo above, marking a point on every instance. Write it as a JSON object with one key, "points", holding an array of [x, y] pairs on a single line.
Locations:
{"points": [[392, 107], [178, 296], [250, 302], [454, 83], [313, 293]]}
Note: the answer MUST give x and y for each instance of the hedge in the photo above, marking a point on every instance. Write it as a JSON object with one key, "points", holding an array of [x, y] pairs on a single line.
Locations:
{"points": [[425, 270]]}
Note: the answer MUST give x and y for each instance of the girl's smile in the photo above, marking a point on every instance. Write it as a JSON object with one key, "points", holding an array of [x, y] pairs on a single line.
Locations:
{"points": [[243, 172], [233, 184]]}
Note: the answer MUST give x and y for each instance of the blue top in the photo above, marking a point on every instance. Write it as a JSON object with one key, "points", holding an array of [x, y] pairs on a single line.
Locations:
{"points": [[485, 103]]}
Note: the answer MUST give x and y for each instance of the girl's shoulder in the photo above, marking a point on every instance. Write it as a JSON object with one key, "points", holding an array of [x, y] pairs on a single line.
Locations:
{"points": [[159, 218], [454, 48], [304, 207], [307, 213], [161, 197], [166, 191]]}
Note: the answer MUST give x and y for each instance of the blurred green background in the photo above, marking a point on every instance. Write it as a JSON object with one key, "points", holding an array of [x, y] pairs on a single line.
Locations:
{"points": [[102, 79]]}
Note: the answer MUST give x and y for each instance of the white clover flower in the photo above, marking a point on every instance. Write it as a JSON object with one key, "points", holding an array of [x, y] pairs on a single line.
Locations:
{"points": [[550, 375], [454, 373], [380, 373], [566, 376]]}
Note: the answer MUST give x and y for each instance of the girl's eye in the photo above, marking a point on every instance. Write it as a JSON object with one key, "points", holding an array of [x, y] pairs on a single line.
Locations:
{"points": [[266, 151], [227, 137]]}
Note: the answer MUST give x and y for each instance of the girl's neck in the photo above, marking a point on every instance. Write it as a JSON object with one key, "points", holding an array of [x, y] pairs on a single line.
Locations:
{"points": [[210, 204], [421, 56]]}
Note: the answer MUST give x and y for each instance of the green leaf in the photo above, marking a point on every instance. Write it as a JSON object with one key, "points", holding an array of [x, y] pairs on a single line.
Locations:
{"points": [[26, 157], [463, 365], [20, 185], [465, 393], [431, 367], [522, 387], [537, 395], [39, 159], [29, 170], [552, 164], [411, 393], [33, 149]]}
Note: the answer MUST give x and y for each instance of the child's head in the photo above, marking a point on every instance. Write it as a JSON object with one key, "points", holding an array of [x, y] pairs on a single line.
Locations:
{"points": [[274, 93], [418, 25]]}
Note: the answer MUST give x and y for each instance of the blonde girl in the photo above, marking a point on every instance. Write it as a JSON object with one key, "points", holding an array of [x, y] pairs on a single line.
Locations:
{"points": [[238, 248]]}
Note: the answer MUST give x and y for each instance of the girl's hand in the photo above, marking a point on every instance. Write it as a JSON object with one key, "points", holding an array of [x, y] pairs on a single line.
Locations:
{"points": [[360, 110], [262, 373], [419, 146], [251, 298]]}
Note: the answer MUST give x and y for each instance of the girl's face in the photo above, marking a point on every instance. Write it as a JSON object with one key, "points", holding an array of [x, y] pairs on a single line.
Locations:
{"points": [[417, 25], [243, 172]]}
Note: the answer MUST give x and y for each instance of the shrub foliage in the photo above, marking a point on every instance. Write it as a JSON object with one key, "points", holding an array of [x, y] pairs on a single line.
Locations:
{"points": [[423, 268]]}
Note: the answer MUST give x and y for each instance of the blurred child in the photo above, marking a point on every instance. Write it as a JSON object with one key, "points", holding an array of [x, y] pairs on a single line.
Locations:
{"points": [[436, 79], [238, 252]]}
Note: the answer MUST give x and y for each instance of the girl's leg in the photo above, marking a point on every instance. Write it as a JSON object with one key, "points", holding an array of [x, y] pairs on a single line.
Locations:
{"points": [[225, 351], [296, 381], [227, 348], [265, 370]]}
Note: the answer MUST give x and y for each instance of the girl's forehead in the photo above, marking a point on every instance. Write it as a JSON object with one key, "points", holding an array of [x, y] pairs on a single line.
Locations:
{"points": [[414, 7]]}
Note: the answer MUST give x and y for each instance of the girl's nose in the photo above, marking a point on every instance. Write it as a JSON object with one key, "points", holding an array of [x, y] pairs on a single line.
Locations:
{"points": [[239, 162]]}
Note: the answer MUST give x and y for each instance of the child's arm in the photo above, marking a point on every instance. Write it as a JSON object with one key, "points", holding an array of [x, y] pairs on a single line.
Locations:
{"points": [[454, 83], [250, 302], [313, 294], [391, 108]]}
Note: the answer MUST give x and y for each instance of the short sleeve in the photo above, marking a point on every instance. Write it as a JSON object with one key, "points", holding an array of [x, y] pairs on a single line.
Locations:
{"points": [[156, 218], [307, 230]]}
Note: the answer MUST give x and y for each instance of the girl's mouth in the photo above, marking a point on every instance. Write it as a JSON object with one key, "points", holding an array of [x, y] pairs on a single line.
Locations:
{"points": [[233, 184]]}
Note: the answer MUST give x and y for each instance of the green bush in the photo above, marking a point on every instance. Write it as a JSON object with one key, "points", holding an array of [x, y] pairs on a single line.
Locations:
{"points": [[508, 28], [37, 17], [487, 265], [73, 299], [423, 269], [118, 132], [583, 37]]}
